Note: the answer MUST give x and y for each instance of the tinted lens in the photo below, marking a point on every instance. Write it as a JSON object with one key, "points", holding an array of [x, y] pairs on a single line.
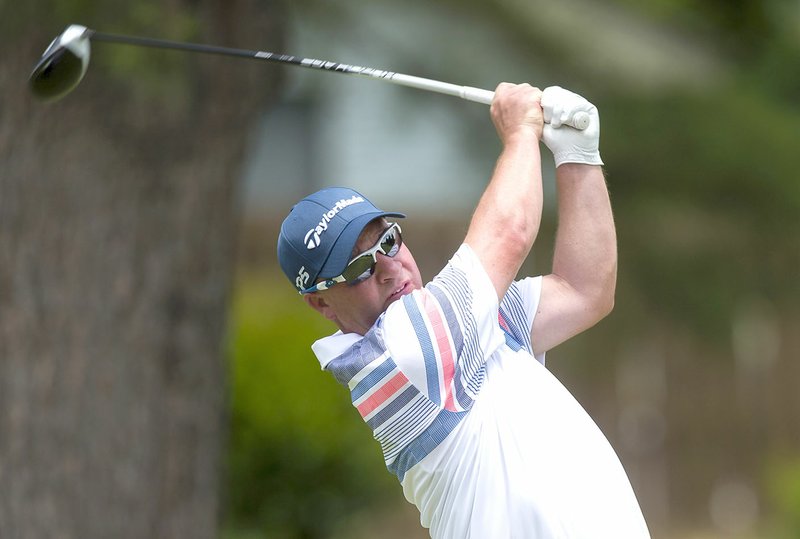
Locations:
{"points": [[390, 244], [359, 268], [363, 266]]}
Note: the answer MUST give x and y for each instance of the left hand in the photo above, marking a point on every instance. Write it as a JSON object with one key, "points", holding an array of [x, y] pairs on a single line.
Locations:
{"points": [[570, 145]]}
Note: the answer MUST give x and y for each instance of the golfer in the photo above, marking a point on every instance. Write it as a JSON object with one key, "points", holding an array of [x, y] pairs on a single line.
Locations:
{"points": [[450, 376]]}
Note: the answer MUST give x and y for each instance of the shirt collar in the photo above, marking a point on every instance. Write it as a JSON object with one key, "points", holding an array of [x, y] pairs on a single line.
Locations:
{"points": [[329, 348]]}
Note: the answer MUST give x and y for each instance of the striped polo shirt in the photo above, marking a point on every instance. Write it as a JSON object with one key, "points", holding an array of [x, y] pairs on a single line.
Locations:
{"points": [[485, 441]]}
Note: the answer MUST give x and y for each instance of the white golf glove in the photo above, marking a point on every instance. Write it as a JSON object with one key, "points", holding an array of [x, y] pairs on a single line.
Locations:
{"points": [[570, 145]]}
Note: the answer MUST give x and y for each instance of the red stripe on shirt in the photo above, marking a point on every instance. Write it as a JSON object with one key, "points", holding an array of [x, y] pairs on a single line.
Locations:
{"points": [[381, 395], [445, 352], [503, 322]]}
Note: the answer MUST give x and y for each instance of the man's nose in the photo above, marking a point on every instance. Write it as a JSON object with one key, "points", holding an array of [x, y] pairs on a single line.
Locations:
{"points": [[387, 267]]}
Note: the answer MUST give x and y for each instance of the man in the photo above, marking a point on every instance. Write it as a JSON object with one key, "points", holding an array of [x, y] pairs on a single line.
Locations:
{"points": [[450, 376]]}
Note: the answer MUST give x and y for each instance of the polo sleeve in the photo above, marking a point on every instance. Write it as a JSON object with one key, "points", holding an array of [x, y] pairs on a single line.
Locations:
{"points": [[441, 336], [518, 311]]}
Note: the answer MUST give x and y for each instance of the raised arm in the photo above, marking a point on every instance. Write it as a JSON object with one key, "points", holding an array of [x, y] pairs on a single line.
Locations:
{"points": [[507, 218], [580, 290]]}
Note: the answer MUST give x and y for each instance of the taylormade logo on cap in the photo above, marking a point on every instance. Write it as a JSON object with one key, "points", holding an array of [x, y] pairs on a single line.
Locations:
{"points": [[312, 237]]}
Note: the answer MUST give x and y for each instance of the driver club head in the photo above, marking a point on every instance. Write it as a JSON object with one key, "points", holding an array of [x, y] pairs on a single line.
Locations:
{"points": [[62, 65]]}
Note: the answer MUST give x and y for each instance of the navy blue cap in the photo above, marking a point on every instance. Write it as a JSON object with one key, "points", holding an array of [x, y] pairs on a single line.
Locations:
{"points": [[317, 237]]}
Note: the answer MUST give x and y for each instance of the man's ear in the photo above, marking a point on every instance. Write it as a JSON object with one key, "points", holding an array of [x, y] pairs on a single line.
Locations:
{"points": [[318, 303]]}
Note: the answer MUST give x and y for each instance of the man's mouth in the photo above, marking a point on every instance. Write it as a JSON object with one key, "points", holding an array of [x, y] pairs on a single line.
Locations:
{"points": [[400, 292]]}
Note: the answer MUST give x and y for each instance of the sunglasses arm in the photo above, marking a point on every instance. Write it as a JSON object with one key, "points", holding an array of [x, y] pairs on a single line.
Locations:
{"points": [[322, 285]]}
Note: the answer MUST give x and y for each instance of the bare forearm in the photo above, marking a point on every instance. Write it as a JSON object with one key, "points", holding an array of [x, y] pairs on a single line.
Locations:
{"points": [[506, 220], [512, 202], [586, 247]]}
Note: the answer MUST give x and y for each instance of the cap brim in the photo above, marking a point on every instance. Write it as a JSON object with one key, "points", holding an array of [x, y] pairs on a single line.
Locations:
{"points": [[343, 248]]}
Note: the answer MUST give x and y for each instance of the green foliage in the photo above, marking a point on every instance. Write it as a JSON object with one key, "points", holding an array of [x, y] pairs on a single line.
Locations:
{"points": [[771, 73], [706, 201], [164, 75], [783, 485], [739, 24], [161, 76], [301, 459], [74, 11]]}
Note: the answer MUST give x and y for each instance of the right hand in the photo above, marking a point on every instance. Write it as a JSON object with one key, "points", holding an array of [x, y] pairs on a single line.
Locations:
{"points": [[516, 109]]}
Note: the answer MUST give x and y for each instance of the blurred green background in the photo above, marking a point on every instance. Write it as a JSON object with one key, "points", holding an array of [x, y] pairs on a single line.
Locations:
{"points": [[156, 361]]}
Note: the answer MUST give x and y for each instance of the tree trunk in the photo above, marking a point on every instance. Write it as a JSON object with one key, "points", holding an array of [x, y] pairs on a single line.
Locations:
{"points": [[118, 217]]}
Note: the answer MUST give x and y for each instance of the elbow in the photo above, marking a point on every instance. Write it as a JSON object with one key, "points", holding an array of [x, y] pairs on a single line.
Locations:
{"points": [[602, 301], [517, 233], [604, 306], [596, 307], [599, 292], [526, 229]]}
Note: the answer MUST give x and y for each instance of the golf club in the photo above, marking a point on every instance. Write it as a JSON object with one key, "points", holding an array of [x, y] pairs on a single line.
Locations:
{"points": [[64, 63]]}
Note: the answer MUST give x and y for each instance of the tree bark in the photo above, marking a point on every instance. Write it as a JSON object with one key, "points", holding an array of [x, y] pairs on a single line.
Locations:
{"points": [[118, 218]]}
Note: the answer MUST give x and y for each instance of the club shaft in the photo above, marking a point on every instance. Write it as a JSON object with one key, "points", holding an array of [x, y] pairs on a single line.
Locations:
{"points": [[464, 92]]}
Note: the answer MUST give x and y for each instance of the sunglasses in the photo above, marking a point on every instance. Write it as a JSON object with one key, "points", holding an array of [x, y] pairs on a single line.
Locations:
{"points": [[362, 266]]}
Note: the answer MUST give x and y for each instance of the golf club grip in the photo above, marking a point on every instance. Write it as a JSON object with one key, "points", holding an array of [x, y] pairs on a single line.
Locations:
{"points": [[580, 120]]}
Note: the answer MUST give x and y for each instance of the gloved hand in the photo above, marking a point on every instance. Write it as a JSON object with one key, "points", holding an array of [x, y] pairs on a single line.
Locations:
{"points": [[570, 145]]}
